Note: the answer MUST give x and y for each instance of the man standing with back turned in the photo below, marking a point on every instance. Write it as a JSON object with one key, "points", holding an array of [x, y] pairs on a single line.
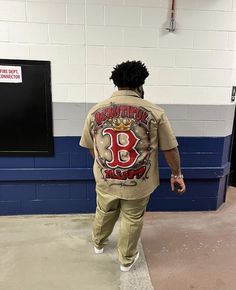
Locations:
{"points": [[123, 134]]}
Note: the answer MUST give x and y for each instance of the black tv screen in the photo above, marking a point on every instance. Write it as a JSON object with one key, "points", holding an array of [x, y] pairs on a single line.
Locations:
{"points": [[25, 108]]}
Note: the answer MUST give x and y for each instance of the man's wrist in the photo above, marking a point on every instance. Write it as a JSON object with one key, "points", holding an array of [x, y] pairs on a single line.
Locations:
{"points": [[178, 176]]}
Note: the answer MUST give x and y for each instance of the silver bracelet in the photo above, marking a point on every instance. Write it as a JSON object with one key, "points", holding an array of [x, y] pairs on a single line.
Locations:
{"points": [[177, 176]]}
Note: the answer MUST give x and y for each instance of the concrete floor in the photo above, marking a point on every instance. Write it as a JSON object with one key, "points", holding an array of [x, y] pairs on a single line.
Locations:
{"points": [[184, 251], [55, 253], [192, 250]]}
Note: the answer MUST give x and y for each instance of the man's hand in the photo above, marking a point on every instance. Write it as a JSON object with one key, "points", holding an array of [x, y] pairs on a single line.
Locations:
{"points": [[173, 160], [178, 182]]}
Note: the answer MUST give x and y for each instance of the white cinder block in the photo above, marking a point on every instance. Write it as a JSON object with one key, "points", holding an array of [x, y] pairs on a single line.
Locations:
{"points": [[59, 93], [218, 95], [12, 11], [210, 40], [158, 95], [141, 37], [194, 19], [168, 76], [67, 34], [77, 54], [110, 36], [210, 77], [231, 41], [157, 57], [95, 74], [46, 12], [223, 21], [61, 127], [74, 1], [176, 94], [105, 2], [188, 128], [28, 32], [144, 3], [234, 65], [189, 95], [15, 51], [94, 14], [234, 5], [94, 93], [109, 89], [76, 93], [221, 59], [233, 78], [154, 16], [95, 55], [204, 58], [215, 128], [3, 31], [68, 74], [75, 14], [179, 39], [56, 53], [115, 55], [68, 127], [208, 113], [122, 16], [183, 4], [229, 127], [107, 74], [175, 112], [224, 5], [54, 1]]}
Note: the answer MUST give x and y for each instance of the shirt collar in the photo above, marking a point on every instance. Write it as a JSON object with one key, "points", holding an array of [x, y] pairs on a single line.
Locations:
{"points": [[120, 93]]}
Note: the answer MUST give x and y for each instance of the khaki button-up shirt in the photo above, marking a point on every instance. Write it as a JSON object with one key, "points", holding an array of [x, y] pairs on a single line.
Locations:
{"points": [[125, 133]]}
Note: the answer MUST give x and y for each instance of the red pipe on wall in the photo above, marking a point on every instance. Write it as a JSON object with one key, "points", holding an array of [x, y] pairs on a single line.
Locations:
{"points": [[171, 27], [173, 9]]}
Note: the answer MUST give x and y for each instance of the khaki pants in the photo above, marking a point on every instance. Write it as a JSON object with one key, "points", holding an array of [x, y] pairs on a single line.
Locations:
{"points": [[107, 213]]}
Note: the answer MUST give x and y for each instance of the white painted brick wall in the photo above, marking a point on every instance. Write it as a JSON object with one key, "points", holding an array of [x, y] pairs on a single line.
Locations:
{"points": [[180, 39], [12, 11], [141, 37], [94, 93], [46, 12], [95, 74], [66, 34], [122, 16], [84, 39], [106, 35], [154, 16], [95, 14], [95, 55], [14, 51], [204, 58], [77, 54], [4, 36], [75, 14], [56, 53], [23, 32], [210, 40]]}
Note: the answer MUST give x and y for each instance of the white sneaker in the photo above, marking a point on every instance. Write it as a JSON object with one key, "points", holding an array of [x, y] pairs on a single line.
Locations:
{"points": [[126, 269], [98, 251]]}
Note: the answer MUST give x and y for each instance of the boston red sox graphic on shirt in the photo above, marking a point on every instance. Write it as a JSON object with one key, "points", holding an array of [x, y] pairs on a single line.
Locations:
{"points": [[122, 140]]}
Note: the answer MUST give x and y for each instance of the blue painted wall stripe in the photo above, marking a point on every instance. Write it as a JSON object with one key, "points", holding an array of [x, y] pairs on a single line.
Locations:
{"points": [[65, 183]]}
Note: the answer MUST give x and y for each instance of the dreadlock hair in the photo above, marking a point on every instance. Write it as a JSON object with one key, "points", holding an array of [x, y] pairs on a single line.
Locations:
{"points": [[130, 74]]}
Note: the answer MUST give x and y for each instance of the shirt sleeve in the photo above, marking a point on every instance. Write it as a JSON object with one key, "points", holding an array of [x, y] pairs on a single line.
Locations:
{"points": [[87, 136], [166, 136]]}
